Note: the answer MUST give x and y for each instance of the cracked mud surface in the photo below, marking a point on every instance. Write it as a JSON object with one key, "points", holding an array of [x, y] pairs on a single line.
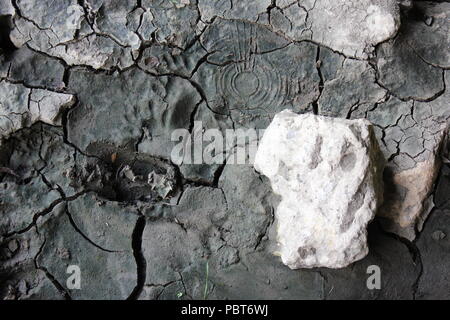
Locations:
{"points": [[91, 91]]}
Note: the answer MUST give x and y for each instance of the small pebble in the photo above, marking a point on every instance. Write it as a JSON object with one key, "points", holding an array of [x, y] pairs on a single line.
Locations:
{"points": [[13, 245]]}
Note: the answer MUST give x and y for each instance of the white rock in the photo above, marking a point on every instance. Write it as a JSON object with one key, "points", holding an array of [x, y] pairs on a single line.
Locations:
{"points": [[47, 106], [21, 107], [6, 8], [354, 27], [351, 27], [328, 172]]}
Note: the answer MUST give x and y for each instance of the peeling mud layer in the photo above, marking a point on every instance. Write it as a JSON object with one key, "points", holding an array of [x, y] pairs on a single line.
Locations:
{"points": [[92, 90]]}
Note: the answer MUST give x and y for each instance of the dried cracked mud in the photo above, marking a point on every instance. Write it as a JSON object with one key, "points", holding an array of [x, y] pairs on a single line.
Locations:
{"points": [[91, 91]]}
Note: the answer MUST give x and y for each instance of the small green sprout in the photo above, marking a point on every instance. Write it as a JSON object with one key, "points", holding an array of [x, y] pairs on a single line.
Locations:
{"points": [[205, 293]]}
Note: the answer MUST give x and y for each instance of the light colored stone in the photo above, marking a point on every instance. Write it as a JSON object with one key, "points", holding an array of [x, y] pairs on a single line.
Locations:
{"points": [[328, 172], [351, 27], [6, 8], [413, 146], [100, 34], [409, 202], [22, 107], [354, 27]]}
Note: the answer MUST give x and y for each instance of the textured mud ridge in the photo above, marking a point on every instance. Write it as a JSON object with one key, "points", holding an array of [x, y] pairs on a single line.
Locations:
{"points": [[91, 91]]}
